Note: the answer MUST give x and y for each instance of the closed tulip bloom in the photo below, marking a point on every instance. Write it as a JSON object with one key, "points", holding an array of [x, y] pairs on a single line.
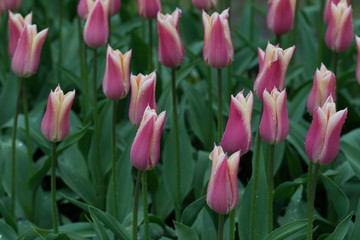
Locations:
{"points": [[116, 82], [96, 30], [218, 50], [274, 124], [273, 64], [280, 17], [323, 139], [238, 135], [26, 57], [114, 7], [339, 34], [222, 191], [327, 11], [148, 8], [83, 8], [323, 87], [142, 95], [358, 63], [145, 150], [12, 5], [16, 26], [55, 125], [205, 4]]}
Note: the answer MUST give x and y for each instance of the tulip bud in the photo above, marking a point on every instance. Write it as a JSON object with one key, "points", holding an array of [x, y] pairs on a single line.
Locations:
{"points": [[145, 150], [142, 95], [113, 7], [218, 50], [323, 139], [339, 34], [222, 191], [83, 8], [280, 17], [96, 30], [116, 82], [55, 124], [273, 64], [16, 26], [323, 87], [274, 124], [12, 5], [327, 11], [171, 51], [148, 8], [205, 4], [238, 135], [358, 63], [26, 57]]}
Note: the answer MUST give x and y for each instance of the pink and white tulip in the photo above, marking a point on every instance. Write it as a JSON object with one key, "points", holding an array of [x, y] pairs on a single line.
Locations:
{"points": [[12, 5], [280, 17], [55, 125], [323, 87], [238, 135], [145, 150], [83, 8], [358, 59], [327, 11], [142, 95], [205, 4], [273, 64], [218, 50], [222, 191], [274, 124], [16, 26], [323, 139], [148, 8]]}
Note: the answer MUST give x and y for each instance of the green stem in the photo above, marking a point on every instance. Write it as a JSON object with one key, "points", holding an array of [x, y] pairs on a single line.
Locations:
{"points": [[5, 45], [229, 79], [271, 186], [252, 11], [320, 30], [143, 27], [309, 181], [86, 76], [232, 225], [136, 204], [47, 13], [114, 160], [109, 38], [82, 67], [27, 129], [278, 39], [335, 65], [219, 104], [312, 199], [60, 38], [53, 189], [150, 44], [221, 227], [145, 206]]}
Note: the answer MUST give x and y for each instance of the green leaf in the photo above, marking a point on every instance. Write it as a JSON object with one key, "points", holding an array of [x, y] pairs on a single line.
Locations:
{"points": [[287, 230], [99, 228], [7, 216], [184, 232], [192, 211], [296, 209], [348, 146], [341, 229], [7, 232]]}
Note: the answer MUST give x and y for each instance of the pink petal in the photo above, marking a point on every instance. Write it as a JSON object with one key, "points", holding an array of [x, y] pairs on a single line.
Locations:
{"points": [[49, 121], [282, 118], [358, 59], [63, 117], [280, 17], [233, 166], [155, 145], [37, 44], [21, 58], [268, 126], [346, 32], [148, 8]]}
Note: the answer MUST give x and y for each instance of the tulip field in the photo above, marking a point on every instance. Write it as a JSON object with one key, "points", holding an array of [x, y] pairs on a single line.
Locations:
{"points": [[189, 120]]}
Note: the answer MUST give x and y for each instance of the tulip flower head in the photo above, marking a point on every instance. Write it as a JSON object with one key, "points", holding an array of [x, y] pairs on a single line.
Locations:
{"points": [[171, 50], [83, 8], [145, 150], [327, 11], [16, 26], [273, 64], [142, 95], [274, 124], [218, 50], [205, 4], [238, 135], [323, 87], [55, 125], [323, 139], [339, 34], [358, 62], [113, 7], [280, 17], [12, 5], [148, 8], [222, 191]]}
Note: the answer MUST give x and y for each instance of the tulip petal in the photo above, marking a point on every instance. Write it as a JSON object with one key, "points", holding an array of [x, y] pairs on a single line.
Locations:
{"points": [[358, 59], [155, 146], [63, 116], [37, 44], [346, 32], [21, 58], [282, 118], [233, 166]]}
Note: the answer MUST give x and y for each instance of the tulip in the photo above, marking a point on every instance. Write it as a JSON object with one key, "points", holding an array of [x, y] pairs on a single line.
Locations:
{"points": [[16, 26], [55, 124], [280, 17], [113, 7], [26, 57], [323, 87], [218, 50], [358, 63], [171, 51], [145, 150], [339, 34], [273, 64], [12, 5], [205, 4], [96, 30], [274, 124], [222, 191], [323, 139], [83, 8], [116, 82], [238, 135], [327, 11], [148, 8], [142, 95]]}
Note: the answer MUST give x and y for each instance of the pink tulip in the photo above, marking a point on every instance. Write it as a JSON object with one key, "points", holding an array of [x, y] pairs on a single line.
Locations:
{"points": [[114, 7], [339, 34], [83, 8], [142, 95], [145, 150], [12, 5], [16, 26], [222, 192], [327, 11], [218, 50], [358, 62], [148, 8], [55, 124], [280, 17], [26, 57], [274, 124], [238, 135], [171, 51], [323, 87], [323, 139], [273, 64], [96, 30], [116, 82], [205, 4]]}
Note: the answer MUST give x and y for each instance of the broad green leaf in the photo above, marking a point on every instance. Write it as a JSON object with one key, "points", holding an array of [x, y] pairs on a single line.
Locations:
{"points": [[7, 216], [295, 210], [99, 228], [192, 211], [356, 227], [348, 145], [341, 229], [184, 232], [287, 230], [7, 232]]}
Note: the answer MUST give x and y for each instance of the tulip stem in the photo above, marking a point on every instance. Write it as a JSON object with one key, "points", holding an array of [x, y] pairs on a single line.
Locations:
{"points": [[335, 62], [221, 227], [278, 39], [177, 146], [145, 206], [271, 186], [150, 44], [219, 104], [60, 38], [232, 225], [114, 160], [136, 204], [53, 189], [252, 11], [4, 46], [320, 37], [83, 68], [27, 129], [311, 196]]}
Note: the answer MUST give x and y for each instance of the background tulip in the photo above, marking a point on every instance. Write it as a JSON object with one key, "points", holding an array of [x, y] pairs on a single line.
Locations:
{"points": [[114, 7], [83, 8], [327, 11], [148, 8], [16, 26], [205, 4], [358, 62], [12, 5], [280, 17]]}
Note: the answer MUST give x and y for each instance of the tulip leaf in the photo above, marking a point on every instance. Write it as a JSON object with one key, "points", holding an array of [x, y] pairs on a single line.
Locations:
{"points": [[99, 228], [356, 227], [7, 216], [349, 146], [297, 135], [7, 232], [184, 232], [341, 229], [192, 211], [287, 230]]}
